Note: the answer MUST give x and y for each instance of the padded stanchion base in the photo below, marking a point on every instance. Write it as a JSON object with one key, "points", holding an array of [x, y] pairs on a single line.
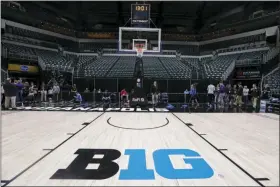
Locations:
{"points": [[138, 98]]}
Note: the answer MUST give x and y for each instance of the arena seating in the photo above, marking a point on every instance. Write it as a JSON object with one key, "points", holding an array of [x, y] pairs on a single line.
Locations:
{"points": [[252, 55], [205, 59], [215, 69], [232, 42], [19, 39], [153, 68], [30, 41], [19, 50], [85, 61], [189, 50], [113, 66], [273, 80], [94, 47], [193, 63], [170, 47], [67, 44], [175, 68], [183, 49], [21, 32], [101, 66], [124, 67], [54, 60], [28, 33], [71, 59]]}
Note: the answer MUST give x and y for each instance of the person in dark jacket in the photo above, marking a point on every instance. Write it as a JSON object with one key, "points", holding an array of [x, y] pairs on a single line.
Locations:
{"points": [[227, 94], [25, 90], [239, 95], [10, 94], [255, 96], [106, 98], [74, 88], [106, 95]]}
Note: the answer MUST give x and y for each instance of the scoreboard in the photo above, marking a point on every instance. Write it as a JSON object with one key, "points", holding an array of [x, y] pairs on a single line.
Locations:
{"points": [[140, 14]]}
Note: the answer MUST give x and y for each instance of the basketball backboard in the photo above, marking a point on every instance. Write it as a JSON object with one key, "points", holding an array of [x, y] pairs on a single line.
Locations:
{"points": [[130, 36]]}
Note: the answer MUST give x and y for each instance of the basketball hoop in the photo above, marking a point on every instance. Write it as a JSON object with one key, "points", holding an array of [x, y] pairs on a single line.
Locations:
{"points": [[139, 50]]}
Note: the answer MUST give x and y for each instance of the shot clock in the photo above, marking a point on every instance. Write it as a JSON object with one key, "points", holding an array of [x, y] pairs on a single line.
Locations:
{"points": [[140, 15]]}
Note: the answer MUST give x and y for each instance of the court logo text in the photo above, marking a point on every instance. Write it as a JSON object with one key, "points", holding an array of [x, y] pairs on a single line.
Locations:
{"points": [[91, 109], [98, 164]]}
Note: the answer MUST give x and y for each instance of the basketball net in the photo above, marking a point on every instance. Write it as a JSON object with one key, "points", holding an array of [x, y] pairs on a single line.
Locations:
{"points": [[139, 50]]}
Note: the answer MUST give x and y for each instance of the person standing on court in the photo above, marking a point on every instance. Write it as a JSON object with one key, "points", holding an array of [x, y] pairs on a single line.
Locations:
{"points": [[43, 92], [255, 96], [11, 91], [245, 95], [106, 98], [193, 95], [221, 97], [210, 93], [56, 91], [20, 86], [154, 91], [228, 95], [239, 95], [124, 95]]}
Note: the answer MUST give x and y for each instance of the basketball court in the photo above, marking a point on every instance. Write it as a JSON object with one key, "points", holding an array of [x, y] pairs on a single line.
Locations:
{"points": [[127, 148], [92, 147]]}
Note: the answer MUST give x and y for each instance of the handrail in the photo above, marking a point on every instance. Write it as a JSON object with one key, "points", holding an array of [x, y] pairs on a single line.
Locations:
{"points": [[41, 63], [271, 72], [229, 70]]}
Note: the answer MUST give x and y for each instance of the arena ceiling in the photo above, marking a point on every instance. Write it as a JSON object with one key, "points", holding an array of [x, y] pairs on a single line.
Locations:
{"points": [[184, 16]]}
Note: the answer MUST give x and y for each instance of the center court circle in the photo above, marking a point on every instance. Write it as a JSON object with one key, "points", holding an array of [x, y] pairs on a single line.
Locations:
{"points": [[109, 121]]}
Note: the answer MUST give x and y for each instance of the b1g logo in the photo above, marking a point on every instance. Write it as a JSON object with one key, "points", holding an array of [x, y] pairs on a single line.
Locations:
{"points": [[105, 168]]}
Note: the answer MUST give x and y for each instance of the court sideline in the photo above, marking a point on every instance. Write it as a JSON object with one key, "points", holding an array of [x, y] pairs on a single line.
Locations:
{"points": [[213, 136]]}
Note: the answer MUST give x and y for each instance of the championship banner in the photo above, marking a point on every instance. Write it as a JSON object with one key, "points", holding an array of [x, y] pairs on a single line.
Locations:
{"points": [[23, 68]]}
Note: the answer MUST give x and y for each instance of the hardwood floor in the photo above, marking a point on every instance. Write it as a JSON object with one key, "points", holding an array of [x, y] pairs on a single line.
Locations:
{"points": [[71, 148]]}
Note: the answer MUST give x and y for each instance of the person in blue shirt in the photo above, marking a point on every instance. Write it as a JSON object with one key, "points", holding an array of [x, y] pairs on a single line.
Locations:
{"points": [[193, 95], [78, 98], [19, 86]]}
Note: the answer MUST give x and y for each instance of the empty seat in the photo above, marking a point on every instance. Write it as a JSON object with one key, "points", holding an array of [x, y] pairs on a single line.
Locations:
{"points": [[216, 68], [124, 67], [175, 68], [153, 68], [100, 66]]}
